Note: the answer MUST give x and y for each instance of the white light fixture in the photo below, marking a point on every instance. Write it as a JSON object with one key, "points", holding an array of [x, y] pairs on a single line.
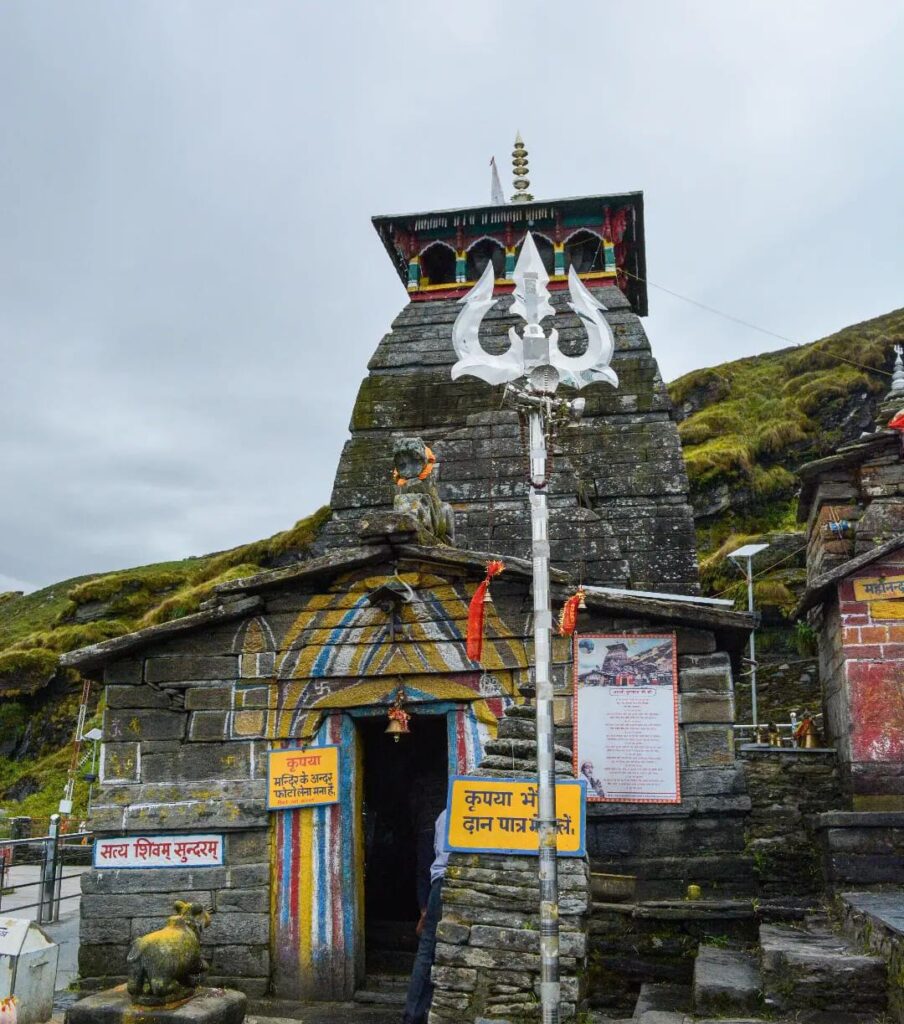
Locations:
{"points": [[748, 552]]}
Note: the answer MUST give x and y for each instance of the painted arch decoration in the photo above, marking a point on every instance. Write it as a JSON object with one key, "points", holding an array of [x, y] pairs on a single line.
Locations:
{"points": [[339, 651]]}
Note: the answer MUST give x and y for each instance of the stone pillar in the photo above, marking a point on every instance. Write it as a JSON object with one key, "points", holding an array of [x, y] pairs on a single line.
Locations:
{"points": [[488, 941]]}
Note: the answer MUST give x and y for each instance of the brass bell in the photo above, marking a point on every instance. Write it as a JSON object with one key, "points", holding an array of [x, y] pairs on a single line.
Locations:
{"points": [[395, 729], [582, 604], [487, 596]]}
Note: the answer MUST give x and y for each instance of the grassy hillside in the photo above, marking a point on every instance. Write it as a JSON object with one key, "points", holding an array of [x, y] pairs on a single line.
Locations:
{"points": [[747, 425], [39, 702]]}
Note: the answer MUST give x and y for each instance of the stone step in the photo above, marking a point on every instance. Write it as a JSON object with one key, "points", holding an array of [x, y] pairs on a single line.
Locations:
{"points": [[662, 997], [820, 976], [389, 997], [726, 981]]}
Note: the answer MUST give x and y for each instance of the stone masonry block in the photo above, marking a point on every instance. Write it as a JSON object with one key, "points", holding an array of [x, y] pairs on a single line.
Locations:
{"points": [[242, 961], [706, 707], [249, 901], [196, 761], [248, 847], [704, 672], [158, 904], [141, 696], [119, 762], [205, 726], [708, 745], [180, 668], [249, 876], [174, 883], [128, 671], [143, 724], [209, 698], [104, 930]]}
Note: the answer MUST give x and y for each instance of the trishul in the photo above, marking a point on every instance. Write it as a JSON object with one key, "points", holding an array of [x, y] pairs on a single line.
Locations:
{"points": [[533, 354]]}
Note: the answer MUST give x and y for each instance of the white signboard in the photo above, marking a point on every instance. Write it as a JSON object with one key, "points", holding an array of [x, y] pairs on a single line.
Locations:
{"points": [[159, 852], [626, 718]]}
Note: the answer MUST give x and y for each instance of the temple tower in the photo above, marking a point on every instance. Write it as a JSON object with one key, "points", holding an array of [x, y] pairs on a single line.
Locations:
{"points": [[619, 511]]}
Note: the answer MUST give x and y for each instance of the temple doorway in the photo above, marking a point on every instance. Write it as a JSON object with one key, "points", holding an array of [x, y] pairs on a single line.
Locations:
{"points": [[404, 790]]}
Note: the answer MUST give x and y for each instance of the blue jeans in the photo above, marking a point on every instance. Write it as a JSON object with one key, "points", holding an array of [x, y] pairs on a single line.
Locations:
{"points": [[420, 988]]}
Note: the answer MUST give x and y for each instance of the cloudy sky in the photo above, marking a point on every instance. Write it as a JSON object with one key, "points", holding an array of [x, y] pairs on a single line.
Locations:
{"points": [[190, 286]]}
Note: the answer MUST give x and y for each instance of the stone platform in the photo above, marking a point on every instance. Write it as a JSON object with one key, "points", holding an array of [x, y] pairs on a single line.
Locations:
{"points": [[115, 1006]]}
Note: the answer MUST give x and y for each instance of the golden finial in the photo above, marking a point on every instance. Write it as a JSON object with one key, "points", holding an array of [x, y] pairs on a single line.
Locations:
{"points": [[519, 168]]}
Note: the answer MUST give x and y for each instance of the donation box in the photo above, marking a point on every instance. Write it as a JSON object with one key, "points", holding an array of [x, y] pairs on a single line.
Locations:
{"points": [[28, 967]]}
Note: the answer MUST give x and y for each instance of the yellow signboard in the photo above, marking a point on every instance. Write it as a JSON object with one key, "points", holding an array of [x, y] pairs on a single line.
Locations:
{"points": [[302, 778], [500, 816], [886, 610], [878, 588]]}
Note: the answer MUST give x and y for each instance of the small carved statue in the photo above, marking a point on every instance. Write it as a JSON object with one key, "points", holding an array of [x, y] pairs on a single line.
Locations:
{"points": [[165, 966], [415, 473]]}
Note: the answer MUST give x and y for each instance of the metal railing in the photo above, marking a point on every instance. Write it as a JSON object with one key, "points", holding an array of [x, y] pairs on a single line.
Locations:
{"points": [[749, 732], [55, 849]]}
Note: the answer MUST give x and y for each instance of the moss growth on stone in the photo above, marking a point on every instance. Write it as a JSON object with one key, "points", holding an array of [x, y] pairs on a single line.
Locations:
{"points": [[36, 628], [748, 424]]}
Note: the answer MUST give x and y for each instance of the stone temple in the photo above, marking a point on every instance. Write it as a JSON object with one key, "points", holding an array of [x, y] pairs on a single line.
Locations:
{"points": [[318, 903]]}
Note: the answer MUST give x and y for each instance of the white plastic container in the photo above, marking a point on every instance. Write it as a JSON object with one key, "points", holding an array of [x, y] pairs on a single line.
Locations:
{"points": [[28, 967]]}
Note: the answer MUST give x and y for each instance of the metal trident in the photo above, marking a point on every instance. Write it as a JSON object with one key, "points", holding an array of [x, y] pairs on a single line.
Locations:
{"points": [[535, 356], [534, 350]]}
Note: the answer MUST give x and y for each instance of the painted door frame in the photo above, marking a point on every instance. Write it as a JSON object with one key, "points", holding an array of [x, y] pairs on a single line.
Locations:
{"points": [[317, 862]]}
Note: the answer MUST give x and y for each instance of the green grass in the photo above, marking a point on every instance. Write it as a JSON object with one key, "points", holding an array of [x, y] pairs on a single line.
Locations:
{"points": [[755, 420], [37, 628]]}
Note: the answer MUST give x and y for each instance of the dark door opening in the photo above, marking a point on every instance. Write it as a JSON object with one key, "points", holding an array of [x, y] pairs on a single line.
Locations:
{"points": [[404, 791]]}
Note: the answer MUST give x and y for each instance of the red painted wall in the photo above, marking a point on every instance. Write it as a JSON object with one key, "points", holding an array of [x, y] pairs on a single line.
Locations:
{"points": [[874, 677]]}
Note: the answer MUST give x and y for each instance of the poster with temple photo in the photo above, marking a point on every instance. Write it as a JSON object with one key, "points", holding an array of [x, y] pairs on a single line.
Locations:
{"points": [[626, 717]]}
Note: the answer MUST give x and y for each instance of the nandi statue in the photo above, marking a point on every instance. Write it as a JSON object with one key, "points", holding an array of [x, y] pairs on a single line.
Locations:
{"points": [[415, 474], [165, 966]]}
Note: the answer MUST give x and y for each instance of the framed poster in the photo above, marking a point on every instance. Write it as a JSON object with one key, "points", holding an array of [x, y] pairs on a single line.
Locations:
{"points": [[626, 717]]}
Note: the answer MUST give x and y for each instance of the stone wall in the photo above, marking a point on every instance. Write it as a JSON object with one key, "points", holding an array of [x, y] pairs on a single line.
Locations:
{"points": [[787, 788], [166, 769], [861, 849], [488, 942], [862, 670]]}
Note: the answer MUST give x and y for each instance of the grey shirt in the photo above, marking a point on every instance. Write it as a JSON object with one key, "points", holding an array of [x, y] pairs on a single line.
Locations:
{"points": [[438, 867]]}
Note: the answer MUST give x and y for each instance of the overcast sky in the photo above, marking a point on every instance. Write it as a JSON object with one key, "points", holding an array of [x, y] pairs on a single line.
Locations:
{"points": [[190, 287]]}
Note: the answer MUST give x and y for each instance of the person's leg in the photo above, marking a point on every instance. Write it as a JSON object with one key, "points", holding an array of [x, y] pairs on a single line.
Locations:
{"points": [[420, 988], [424, 858]]}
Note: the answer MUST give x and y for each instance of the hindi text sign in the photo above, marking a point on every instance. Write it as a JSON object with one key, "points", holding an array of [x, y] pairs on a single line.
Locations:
{"points": [[878, 588], [159, 852], [302, 778], [500, 816], [626, 717]]}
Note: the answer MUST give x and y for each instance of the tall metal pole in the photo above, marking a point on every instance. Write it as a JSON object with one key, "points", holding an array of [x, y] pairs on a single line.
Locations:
{"points": [[545, 733], [752, 643], [535, 360]]}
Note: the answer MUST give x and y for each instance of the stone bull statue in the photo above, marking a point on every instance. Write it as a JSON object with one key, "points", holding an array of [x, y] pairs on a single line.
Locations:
{"points": [[165, 965]]}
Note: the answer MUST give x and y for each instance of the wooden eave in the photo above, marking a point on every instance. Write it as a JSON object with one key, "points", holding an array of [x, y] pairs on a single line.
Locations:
{"points": [[820, 588]]}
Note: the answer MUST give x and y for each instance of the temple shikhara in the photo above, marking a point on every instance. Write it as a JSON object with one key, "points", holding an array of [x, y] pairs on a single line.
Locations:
{"points": [[292, 738]]}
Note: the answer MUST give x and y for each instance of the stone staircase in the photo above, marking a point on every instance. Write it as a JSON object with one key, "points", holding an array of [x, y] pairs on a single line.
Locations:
{"points": [[383, 990], [799, 975]]}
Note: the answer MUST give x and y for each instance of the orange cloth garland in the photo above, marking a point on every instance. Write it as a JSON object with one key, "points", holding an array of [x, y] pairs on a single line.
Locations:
{"points": [[568, 617], [897, 421], [474, 640], [424, 473]]}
